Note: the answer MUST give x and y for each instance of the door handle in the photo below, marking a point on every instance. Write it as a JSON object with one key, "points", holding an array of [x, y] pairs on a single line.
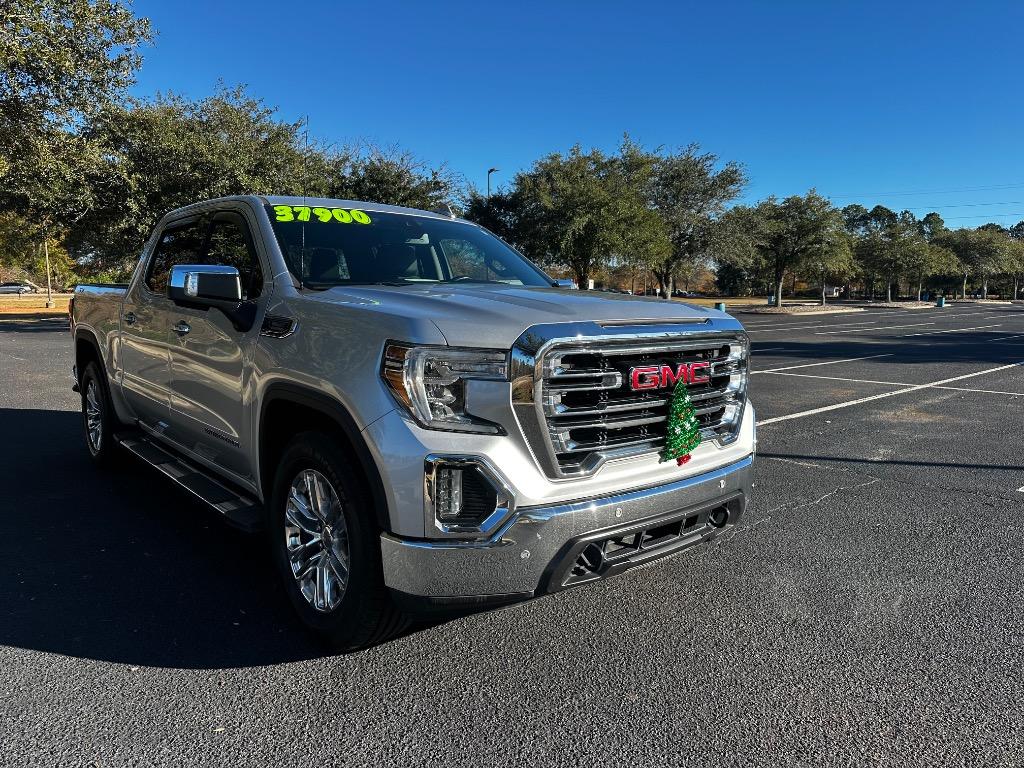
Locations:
{"points": [[129, 317], [181, 328]]}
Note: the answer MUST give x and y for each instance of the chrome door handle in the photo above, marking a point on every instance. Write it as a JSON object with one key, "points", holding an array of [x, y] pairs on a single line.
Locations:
{"points": [[129, 317], [182, 328]]}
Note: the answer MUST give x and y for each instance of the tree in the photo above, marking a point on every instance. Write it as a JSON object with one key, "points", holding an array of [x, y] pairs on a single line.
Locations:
{"points": [[932, 226], [982, 252], [832, 261], [390, 176], [579, 209], [60, 64], [171, 152], [1015, 259], [802, 231], [690, 192]]}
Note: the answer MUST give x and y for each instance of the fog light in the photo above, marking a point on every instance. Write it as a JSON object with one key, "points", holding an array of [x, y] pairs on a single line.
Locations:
{"points": [[463, 495], [448, 493]]}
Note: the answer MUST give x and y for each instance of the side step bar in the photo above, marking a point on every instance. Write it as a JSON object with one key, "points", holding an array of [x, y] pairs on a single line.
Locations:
{"points": [[238, 509]]}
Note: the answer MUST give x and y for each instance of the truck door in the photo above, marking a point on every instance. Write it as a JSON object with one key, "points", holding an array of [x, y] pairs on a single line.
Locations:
{"points": [[146, 324], [211, 361]]}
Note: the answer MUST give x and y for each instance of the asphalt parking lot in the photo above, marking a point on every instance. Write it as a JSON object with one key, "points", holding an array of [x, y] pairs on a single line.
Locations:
{"points": [[868, 611]]}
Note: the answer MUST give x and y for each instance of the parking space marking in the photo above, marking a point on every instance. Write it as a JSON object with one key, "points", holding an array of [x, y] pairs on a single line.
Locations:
{"points": [[949, 330], [804, 327], [896, 383], [880, 328], [826, 362], [840, 378], [859, 400]]}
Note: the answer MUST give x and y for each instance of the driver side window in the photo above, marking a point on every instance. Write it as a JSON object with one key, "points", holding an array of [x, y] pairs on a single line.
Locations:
{"points": [[229, 245], [178, 245]]}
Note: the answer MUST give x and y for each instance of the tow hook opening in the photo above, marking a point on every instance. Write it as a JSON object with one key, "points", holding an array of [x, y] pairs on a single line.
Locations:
{"points": [[592, 558], [719, 516]]}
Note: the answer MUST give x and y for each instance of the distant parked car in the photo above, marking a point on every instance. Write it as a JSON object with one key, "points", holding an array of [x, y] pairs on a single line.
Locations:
{"points": [[18, 288]]}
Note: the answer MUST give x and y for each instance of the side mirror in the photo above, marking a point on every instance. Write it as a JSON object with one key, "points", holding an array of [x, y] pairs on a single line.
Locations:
{"points": [[204, 284], [565, 283]]}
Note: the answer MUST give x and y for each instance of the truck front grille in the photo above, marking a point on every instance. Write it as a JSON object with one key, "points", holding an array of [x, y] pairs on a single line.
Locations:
{"points": [[589, 412]]}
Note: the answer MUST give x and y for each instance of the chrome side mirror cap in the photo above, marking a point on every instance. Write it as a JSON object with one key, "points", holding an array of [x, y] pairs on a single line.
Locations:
{"points": [[204, 284]]}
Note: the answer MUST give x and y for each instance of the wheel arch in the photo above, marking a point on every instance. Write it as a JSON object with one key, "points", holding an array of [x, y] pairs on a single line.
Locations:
{"points": [[87, 348], [286, 409]]}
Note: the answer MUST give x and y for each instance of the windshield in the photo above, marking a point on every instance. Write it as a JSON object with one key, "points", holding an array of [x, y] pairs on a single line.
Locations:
{"points": [[347, 246]]}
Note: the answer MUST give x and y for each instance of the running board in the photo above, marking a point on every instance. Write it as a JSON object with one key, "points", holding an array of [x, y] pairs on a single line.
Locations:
{"points": [[237, 509]]}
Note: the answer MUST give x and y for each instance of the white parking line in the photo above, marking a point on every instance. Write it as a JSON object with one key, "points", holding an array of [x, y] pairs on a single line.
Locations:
{"points": [[840, 378], [896, 383], [827, 362], [949, 330], [880, 328], [858, 401], [770, 349], [801, 327]]}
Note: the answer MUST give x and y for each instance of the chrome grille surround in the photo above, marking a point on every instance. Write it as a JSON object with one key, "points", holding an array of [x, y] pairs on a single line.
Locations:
{"points": [[572, 400]]}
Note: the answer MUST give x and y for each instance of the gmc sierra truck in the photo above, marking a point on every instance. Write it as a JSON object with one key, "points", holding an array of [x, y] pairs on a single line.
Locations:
{"points": [[415, 415]]}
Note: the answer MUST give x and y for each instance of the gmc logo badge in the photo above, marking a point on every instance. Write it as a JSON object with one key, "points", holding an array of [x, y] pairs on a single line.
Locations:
{"points": [[658, 376]]}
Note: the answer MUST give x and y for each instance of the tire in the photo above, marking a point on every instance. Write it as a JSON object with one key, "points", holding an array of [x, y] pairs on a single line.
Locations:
{"points": [[98, 419], [317, 494]]}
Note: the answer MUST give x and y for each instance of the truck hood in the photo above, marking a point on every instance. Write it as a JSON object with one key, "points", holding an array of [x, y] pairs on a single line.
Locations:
{"points": [[487, 315]]}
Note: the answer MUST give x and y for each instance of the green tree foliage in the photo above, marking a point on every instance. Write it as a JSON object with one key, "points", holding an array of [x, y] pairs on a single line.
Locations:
{"points": [[890, 245], [171, 152], [1015, 256], [799, 233], [391, 176], [690, 192], [60, 63], [576, 211], [982, 252]]}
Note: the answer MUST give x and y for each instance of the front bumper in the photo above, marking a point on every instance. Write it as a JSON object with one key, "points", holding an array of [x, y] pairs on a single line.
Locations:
{"points": [[548, 548]]}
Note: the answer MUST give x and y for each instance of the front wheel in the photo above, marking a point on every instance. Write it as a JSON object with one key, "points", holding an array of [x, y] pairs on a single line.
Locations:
{"points": [[327, 548]]}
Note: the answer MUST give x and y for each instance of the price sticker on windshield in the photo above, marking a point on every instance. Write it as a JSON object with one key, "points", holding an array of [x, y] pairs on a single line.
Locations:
{"points": [[323, 215]]}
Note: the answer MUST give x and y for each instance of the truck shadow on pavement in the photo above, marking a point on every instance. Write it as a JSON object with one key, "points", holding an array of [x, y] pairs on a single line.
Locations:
{"points": [[987, 348], [120, 566]]}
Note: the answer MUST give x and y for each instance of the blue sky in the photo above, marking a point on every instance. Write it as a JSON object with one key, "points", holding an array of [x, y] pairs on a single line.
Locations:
{"points": [[912, 105]]}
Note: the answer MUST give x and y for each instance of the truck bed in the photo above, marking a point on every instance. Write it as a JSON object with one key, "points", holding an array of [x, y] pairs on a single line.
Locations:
{"points": [[97, 306]]}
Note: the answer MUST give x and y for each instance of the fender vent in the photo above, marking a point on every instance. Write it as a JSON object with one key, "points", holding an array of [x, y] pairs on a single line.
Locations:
{"points": [[277, 326]]}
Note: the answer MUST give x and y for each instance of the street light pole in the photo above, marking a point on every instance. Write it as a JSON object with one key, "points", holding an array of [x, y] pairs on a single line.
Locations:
{"points": [[49, 289], [489, 172]]}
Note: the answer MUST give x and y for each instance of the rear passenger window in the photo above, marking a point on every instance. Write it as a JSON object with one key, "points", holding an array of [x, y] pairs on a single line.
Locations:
{"points": [[229, 246], [181, 245]]}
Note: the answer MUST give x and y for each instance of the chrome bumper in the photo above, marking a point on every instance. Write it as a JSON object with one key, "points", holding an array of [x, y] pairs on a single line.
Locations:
{"points": [[536, 550]]}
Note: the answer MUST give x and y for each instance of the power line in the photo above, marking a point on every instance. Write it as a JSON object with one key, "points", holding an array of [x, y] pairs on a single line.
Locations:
{"points": [[948, 190], [963, 205], [984, 216]]}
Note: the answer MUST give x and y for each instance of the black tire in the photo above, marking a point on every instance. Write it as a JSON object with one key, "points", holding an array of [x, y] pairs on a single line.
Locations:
{"points": [[366, 614], [96, 400]]}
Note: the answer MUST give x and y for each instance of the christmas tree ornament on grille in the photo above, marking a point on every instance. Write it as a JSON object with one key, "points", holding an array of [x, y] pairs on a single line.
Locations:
{"points": [[683, 432]]}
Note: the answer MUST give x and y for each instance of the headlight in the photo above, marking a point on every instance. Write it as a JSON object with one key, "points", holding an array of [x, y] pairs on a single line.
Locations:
{"points": [[431, 383], [736, 366]]}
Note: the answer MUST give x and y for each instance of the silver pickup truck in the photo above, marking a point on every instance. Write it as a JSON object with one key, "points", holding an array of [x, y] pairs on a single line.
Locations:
{"points": [[414, 414]]}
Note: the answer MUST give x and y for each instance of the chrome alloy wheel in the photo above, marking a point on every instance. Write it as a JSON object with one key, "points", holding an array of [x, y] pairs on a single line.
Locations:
{"points": [[316, 540], [94, 416]]}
